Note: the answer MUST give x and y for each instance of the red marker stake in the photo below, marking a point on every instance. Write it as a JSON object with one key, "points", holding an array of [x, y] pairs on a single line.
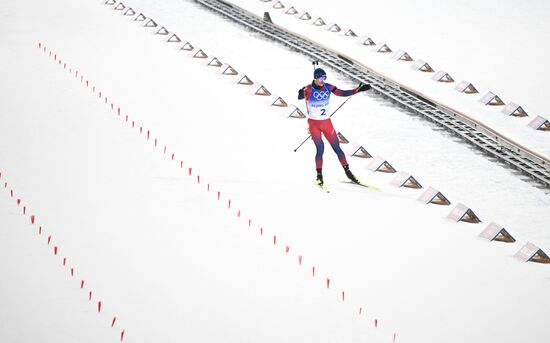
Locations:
{"points": [[18, 202], [49, 239], [24, 209], [55, 250], [32, 219], [172, 157], [64, 261], [90, 296], [274, 240], [360, 310], [113, 322], [99, 306], [376, 323], [219, 195], [208, 187], [190, 170], [343, 296], [121, 335], [40, 230], [249, 222], [238, 213], [72, 272], [81, 284], [198, 179], [229, 204], [300, 260], [11, 192], [328, 282], [313, 269], [181, 164], [119, 111], [261, 231], [287, 249], [165, 149], [148, 133], [155, 142]]}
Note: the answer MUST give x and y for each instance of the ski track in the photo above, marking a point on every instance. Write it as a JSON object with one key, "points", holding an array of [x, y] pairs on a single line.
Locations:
{"points": [[143, 132], [219, 189]]}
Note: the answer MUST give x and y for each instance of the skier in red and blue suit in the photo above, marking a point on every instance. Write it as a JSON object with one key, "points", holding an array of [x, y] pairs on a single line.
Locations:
{"points": [[317, 96]]}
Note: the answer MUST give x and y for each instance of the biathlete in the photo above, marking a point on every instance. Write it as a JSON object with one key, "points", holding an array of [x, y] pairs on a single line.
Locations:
{"points": [[317, 96]]}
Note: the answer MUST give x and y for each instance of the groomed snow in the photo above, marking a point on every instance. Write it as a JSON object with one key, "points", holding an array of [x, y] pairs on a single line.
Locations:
{"points": [[409, 143], [495, 45], [175, 264]]}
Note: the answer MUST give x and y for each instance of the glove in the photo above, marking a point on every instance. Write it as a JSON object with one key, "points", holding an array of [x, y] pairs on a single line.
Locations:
{"points": [[363, 87], [301, 94]]}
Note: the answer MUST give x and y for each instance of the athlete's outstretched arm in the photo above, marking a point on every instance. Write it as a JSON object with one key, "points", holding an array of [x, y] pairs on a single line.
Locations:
{"points": [[349, 92]]}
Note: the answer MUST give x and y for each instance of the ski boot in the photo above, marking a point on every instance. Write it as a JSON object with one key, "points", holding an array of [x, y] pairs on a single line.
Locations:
{"points": [[350, 175], [319, 177]]}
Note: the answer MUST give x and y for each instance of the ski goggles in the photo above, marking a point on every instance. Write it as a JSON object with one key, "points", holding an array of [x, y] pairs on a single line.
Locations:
{"points": [[322, 78]]}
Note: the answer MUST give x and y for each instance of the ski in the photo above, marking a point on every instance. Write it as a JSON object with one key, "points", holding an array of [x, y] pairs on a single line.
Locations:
{"points": [[360, 184], [323, 188]]}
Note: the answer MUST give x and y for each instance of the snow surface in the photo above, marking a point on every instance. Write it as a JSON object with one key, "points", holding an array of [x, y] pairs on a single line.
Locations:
{"points": [[371, 122], [493, 44], [172, 262]]}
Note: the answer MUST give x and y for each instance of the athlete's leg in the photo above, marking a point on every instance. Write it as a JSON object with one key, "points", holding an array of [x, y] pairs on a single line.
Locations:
{"points": [[332, 138], [315, 132]]}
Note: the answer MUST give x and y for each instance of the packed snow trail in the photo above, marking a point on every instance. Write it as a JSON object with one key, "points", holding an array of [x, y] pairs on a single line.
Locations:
{"points": [[182, 273], [432, 155]]}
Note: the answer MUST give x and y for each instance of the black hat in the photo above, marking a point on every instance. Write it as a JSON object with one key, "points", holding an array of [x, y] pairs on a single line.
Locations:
{"points": [[318, 73]]}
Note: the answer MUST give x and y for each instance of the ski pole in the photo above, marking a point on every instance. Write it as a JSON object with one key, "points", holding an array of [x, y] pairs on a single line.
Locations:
{"points": [[315, 63], [333, 113]]}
